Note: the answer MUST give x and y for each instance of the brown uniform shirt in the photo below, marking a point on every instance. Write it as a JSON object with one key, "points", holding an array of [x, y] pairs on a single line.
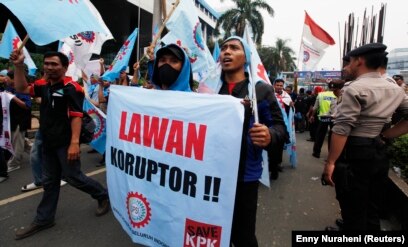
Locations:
{"points": [[367, 104]]}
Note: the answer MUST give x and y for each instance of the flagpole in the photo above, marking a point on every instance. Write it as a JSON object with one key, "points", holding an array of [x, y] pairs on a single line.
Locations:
{"points": [[301, 42], [23, 43], [341, 59], [153, 44], [138, 37], [164, 8], [254, 99]]}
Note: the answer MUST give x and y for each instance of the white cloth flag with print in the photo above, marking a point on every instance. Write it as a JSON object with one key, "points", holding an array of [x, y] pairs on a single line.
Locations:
{"points": [[314, 40]]}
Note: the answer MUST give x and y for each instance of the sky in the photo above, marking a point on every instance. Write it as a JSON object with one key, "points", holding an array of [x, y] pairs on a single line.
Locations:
{"points": [[288, 20]]}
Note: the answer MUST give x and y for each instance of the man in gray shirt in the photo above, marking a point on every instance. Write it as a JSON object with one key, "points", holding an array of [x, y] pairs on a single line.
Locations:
{"points": [[357, 163]]}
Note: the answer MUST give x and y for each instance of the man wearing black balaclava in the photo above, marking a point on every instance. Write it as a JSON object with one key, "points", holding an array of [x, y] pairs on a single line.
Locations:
{"points": [[172, 69]]}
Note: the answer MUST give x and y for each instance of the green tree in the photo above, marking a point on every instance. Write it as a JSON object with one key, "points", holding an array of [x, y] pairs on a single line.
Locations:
{"points": [[278, 58], [233, 21]]}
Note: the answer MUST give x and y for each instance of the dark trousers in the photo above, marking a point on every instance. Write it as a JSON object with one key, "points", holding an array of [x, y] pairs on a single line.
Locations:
{"points": [[55, 162], [360, 176], [275, 158], [321, 132], [3, 164], [312, 129], [244, 219]]}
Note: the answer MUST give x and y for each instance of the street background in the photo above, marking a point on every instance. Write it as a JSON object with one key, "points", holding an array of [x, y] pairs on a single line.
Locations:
{"points": [[296, 201]]}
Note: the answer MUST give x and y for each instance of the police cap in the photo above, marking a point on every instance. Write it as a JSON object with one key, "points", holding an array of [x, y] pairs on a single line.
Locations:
{"points": [[367, 49]]}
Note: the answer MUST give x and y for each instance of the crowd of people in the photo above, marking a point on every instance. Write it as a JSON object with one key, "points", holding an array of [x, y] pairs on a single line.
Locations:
{"points": [[357, 113]]}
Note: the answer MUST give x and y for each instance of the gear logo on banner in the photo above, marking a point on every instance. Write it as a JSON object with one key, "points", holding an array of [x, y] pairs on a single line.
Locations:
{"points": [[198, 36], [99, 122], [88, 36], [139, 210], [306, 56]]}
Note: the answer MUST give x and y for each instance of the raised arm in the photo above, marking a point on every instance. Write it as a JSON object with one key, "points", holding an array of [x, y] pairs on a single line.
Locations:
{"points": [[20, 81]]}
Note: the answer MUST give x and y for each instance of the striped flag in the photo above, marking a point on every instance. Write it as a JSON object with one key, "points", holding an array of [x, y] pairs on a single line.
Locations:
{"points": [[314, 40]]}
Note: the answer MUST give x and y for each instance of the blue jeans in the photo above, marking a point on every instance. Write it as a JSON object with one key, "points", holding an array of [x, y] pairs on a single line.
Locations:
{"points": [[55, 162], [36, 158]]}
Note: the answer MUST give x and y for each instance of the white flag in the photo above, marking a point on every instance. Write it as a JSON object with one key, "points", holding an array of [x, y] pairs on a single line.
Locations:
{"points": [[258, 71], [311, 56], [314, 40]]}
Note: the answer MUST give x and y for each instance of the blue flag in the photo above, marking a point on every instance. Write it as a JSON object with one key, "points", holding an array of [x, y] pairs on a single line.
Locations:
{"points": [[185, 31], [12, 41], [216, 52], [50, 20], [121, 60], [99, 139], [291, 147]]}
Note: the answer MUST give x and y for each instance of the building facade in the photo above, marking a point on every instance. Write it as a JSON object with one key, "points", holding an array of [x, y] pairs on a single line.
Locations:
{"points": [[398, 62]]}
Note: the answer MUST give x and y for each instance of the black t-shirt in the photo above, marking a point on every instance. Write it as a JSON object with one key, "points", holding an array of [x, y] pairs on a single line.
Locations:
{"points": [[59, 102], [301, 103]]}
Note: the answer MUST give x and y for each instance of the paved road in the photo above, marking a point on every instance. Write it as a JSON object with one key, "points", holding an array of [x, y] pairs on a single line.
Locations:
{"points": [[296, 201]]}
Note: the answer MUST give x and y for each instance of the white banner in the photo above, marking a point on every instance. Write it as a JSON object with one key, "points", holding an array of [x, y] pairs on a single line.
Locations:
{"points": [[172, 163], [5, 135]]}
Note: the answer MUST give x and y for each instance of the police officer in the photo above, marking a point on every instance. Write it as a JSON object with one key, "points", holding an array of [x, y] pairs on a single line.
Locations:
{"points": [[325, 102], [357, 164]]}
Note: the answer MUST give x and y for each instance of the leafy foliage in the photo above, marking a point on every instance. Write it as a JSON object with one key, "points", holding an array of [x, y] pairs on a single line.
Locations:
{"points": [[233, 21], [277, 58], [398, 152], [37, 59]]}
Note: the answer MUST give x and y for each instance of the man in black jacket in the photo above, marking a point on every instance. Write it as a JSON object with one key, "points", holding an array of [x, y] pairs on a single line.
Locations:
{"points": [[267, 134]]}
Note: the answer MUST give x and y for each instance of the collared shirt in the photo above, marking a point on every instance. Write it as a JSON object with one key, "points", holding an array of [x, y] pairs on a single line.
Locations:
{"points": [[59, 102], [367, 104]]}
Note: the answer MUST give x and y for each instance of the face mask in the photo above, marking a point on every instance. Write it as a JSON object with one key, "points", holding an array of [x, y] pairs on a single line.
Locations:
{"points": [[168, 75]]}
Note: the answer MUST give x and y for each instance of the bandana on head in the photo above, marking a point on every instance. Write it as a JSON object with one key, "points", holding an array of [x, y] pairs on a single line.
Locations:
{"points": [[247, 50]]}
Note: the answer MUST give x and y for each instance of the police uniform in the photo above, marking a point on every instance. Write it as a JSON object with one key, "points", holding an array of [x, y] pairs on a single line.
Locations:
{"points": [[361, 171], [325, 101]]}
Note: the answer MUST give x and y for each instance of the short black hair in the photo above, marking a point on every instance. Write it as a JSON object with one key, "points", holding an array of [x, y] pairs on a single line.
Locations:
{"points": [[278, 80], [374, 60], [384, 63], [63, 58]]}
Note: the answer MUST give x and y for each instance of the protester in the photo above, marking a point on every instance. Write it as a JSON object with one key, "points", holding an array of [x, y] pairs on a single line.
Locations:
{"points": [[149, 73], [3, 79], [124, 79], [358, 164], [93, 83], [3, 165], [20, 122], [311, 116], [285, 102], [61, 152], [289, 90], [301, 110], [172, 69], [399, 79], [268, 134]]}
